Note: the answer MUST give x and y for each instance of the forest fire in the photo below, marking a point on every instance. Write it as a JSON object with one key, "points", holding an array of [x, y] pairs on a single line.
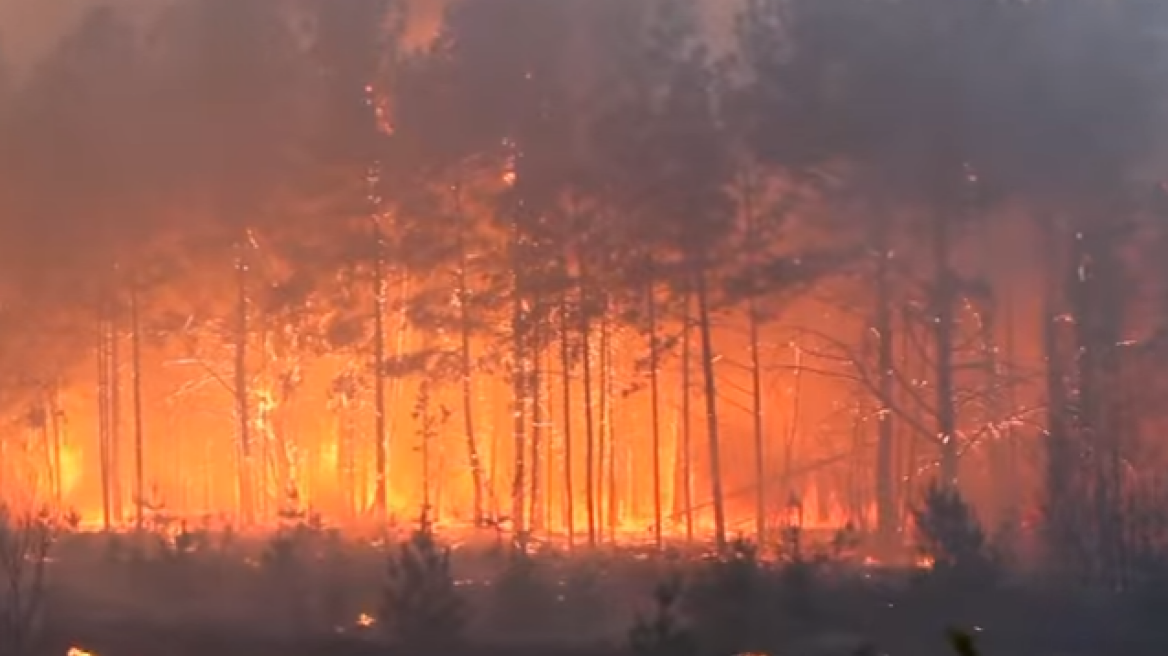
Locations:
{"points": [[694, 326], [539, 318]]}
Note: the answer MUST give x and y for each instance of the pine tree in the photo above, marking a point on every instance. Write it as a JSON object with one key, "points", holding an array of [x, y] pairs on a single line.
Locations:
{"points": [[421, 607]]}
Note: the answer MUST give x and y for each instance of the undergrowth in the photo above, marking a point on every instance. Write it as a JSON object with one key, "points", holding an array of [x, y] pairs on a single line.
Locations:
{"points": [[420, 606]]}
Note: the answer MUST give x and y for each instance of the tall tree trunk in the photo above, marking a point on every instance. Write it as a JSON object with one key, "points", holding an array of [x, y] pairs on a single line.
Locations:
{"points": [[655, 411], [427, 434], [381, 450], [711, 393], [748, 187], [608, 434], [566, 380], [1097, 288], [520, 380], [793, 424], [760, 492], [398, 387], [686, 419], [519, 440], [1003, 494], [944, 295], [242, 391], [549, 479], [886, 514], [136, 381], [467, 371], [535, 385], [589, 423], [115, 436], [103, 413], [1011, 393]]}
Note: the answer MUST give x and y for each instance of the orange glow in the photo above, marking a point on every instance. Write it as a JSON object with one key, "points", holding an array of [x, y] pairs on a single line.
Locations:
{"points": [[72, 468]]}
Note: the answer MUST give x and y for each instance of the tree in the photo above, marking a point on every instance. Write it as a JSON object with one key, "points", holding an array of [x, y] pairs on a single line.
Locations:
{"points": [[664, 128], [233, 82], [353, 44]]}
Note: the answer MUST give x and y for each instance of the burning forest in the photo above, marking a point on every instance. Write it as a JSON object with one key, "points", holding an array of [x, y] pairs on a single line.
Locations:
{"points": [[591, 276]]}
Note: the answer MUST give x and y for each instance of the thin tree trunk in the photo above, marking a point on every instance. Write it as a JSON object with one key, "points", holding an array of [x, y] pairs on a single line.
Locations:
{"points": [[535, 384], [566, 380], [468, 418], [711, 393], [1003, 494], [608, 434], [136, 381], [686, 422], [589, 423], [748, 188], [1011, 397], [793, 425], [397, 389], [602, 447], [493, 476], [886, 514], [519, 383], [760, 498], [943, 327], [115, 439], [426, 431], [103, 412], [655, 401], [381, 450], [549, 479]]}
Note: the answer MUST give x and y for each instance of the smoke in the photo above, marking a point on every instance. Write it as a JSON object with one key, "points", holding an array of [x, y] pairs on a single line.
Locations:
{"points": [[30, 29]]}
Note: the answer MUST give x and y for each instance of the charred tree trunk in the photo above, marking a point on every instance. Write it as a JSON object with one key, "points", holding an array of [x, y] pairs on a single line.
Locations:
{"points": [[397, 389], [566, 380], [711, 393], [381, 451], [535, 386], [793, 424], [886, 512], [467, 371], [549, 479], [1005, 491], [519, 383], [748, 187], [136, 381], [608, 434], [115, 428], [943, 333], [686, 420], [103, 415], [589, 417], [756, 412], [1097, 290], [655, 412]]}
